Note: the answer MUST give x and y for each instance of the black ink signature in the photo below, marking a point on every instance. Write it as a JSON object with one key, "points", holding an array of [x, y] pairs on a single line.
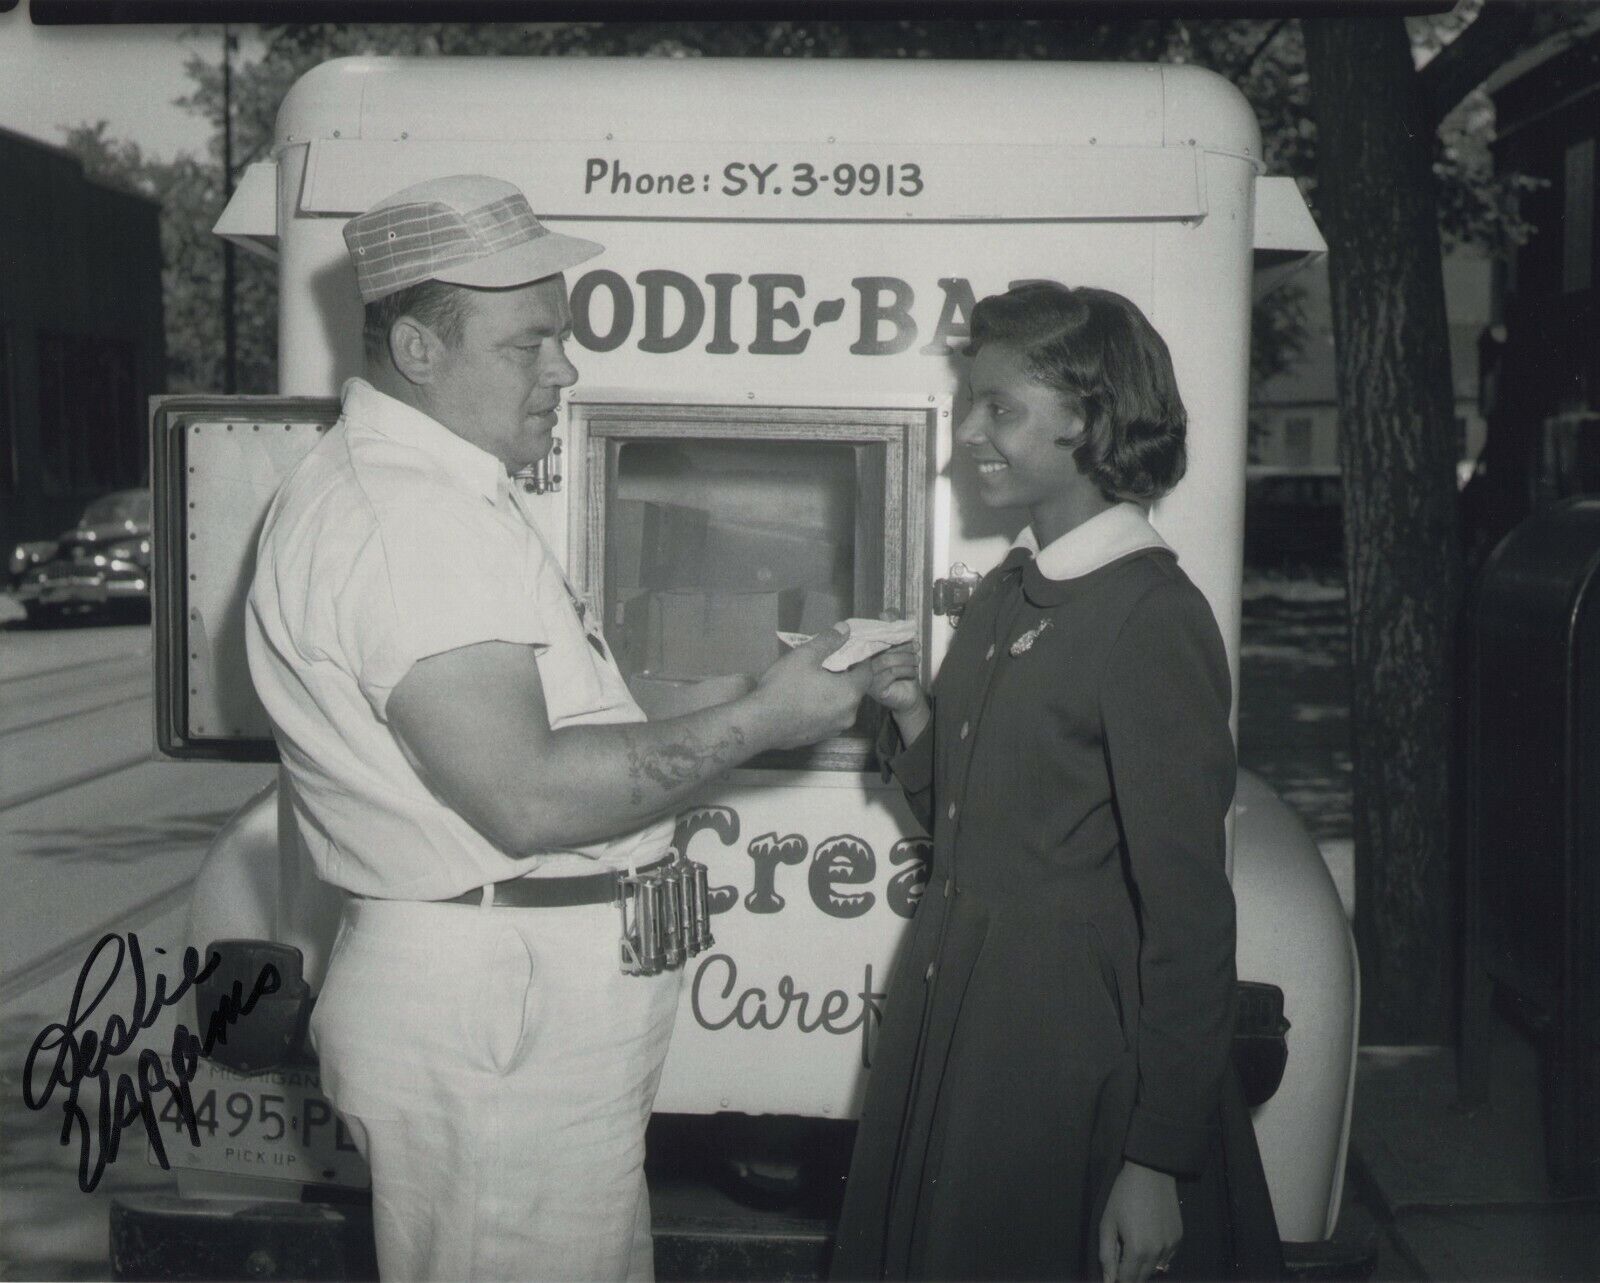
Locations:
{"points": [[81, 1054]]}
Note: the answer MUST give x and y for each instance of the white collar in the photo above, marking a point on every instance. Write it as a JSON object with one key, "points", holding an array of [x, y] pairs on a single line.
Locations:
{"points": [[1102, 539], [400, 422]]}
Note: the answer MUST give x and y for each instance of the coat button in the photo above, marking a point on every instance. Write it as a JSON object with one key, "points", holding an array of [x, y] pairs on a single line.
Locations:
{"points": [[989, 654], [965, 727], [950, 811]]}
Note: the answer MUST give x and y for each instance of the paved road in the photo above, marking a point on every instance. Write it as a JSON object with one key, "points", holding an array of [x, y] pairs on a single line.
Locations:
{"points": [[79, 720], [95, 836], [91, 824]]}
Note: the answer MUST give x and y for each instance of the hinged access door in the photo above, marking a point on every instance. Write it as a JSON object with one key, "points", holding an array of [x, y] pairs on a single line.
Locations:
{"points": [[216, 462]]}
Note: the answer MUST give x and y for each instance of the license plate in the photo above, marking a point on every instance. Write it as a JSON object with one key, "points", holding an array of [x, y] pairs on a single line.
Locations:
{"points": [[276, 1125]]}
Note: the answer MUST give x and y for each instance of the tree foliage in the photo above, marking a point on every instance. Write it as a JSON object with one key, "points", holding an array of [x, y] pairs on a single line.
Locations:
{"points": [[190, 193]]}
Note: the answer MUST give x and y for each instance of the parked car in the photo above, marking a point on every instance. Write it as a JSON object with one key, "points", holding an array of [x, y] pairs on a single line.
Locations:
{"points": [[102, 563], [1293, 517]]}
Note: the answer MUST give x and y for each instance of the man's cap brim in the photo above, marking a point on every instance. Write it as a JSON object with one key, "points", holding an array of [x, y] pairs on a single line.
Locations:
{"points": [[530, 261]]}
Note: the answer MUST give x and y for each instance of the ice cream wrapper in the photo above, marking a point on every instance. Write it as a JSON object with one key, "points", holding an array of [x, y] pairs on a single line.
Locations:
{"points": [[867, 638]]}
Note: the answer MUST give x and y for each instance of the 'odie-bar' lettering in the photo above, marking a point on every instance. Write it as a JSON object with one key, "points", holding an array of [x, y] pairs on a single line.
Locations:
{"points": [[781, 317]]}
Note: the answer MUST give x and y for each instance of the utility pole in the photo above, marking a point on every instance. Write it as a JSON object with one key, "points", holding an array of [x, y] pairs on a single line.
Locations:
{"points": [[230, 336]]}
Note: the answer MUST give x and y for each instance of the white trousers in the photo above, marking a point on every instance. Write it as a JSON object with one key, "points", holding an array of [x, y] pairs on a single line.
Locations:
{"points": [[497, 1071]]}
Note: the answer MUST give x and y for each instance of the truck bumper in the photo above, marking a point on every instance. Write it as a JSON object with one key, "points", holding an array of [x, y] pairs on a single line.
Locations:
{"points": [[700, 1234], [163, 1236]]}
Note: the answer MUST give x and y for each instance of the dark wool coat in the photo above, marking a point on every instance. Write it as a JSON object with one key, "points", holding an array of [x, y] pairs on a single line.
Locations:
{"points": [[1064, 998]]}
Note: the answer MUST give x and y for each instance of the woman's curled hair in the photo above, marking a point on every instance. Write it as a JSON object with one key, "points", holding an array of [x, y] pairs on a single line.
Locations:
{"points": [[1098, 350]]}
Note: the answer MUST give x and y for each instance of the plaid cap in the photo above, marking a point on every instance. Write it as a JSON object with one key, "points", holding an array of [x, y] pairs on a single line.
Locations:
{"points": [[466, 229]]}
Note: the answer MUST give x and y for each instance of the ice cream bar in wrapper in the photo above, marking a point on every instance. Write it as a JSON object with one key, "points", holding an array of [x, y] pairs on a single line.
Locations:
{"points": [[867, 638]]}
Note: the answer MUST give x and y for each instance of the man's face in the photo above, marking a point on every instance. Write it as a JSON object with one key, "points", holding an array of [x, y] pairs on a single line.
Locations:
{"points": [[498, 386]]}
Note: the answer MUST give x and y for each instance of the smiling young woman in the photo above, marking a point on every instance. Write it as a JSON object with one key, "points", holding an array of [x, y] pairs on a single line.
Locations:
{"points": [[1052, 1095]]}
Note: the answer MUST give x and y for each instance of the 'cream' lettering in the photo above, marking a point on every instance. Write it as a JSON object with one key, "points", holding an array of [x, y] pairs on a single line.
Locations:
{"points": [[842, 861], [769, 851]]}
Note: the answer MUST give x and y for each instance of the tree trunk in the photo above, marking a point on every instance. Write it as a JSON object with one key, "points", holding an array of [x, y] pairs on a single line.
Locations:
{"points": [[1375, 193]]}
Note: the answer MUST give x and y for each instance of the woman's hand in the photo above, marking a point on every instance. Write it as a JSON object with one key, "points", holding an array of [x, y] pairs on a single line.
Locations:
{"points": [[1141, 1226], [894, 684]]}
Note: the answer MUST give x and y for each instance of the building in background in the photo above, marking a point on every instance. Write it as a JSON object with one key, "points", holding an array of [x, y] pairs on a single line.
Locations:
{"points": [[1294, 416], [82, 345], [1293, 501]]}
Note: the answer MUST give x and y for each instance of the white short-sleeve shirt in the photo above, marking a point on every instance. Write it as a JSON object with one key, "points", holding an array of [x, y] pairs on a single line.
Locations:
{"points": [[392, 540]]}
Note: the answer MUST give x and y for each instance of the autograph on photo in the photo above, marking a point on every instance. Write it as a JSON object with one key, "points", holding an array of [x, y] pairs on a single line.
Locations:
{"points": [[80, 1052]]}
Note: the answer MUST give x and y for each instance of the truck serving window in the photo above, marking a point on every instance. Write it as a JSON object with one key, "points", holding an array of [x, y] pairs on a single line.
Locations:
{"points": [[711, 529]]}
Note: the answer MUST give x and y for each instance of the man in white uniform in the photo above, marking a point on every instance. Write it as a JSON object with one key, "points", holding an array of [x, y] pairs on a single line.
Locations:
{"points": [[465, 759]]}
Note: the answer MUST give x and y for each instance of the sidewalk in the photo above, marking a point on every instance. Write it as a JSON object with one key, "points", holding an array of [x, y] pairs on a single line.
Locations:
{"points": [[1464, 1195], [1444, 1194]]}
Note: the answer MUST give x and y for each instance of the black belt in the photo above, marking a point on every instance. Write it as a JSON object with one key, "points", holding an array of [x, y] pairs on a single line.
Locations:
{"points": [[554, 893]]}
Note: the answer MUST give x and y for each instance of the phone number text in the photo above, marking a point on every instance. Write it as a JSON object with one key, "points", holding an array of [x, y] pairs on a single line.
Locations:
{"points": [[740, 178]]}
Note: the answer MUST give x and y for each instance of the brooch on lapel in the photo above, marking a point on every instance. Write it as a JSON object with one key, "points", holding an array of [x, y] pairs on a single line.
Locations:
{"points": [[1025, 643]]}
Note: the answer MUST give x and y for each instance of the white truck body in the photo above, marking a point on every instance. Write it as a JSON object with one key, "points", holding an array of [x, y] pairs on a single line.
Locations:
{"points": [[753, 292]]}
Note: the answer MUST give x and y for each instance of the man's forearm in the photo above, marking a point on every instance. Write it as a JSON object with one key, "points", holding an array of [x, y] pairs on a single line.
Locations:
{"points": [[595, 782], [475, 724]]}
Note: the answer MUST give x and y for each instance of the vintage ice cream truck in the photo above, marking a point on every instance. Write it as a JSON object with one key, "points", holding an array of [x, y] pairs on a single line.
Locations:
{"points": [[770, 369]]}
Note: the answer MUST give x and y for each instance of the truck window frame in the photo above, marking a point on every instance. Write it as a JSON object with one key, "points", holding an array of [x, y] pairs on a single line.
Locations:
{"points": [[903, 433]]}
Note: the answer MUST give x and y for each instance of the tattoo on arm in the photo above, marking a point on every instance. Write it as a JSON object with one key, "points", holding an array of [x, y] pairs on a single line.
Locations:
{"points": [[670, 766], [635, 767]]}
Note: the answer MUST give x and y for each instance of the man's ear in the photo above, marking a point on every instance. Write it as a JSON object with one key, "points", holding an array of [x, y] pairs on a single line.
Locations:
{"points": [[415, 350]]}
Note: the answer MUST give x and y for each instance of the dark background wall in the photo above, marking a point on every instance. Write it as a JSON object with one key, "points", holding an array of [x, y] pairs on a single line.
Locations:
{"points": [[81, 337]]}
